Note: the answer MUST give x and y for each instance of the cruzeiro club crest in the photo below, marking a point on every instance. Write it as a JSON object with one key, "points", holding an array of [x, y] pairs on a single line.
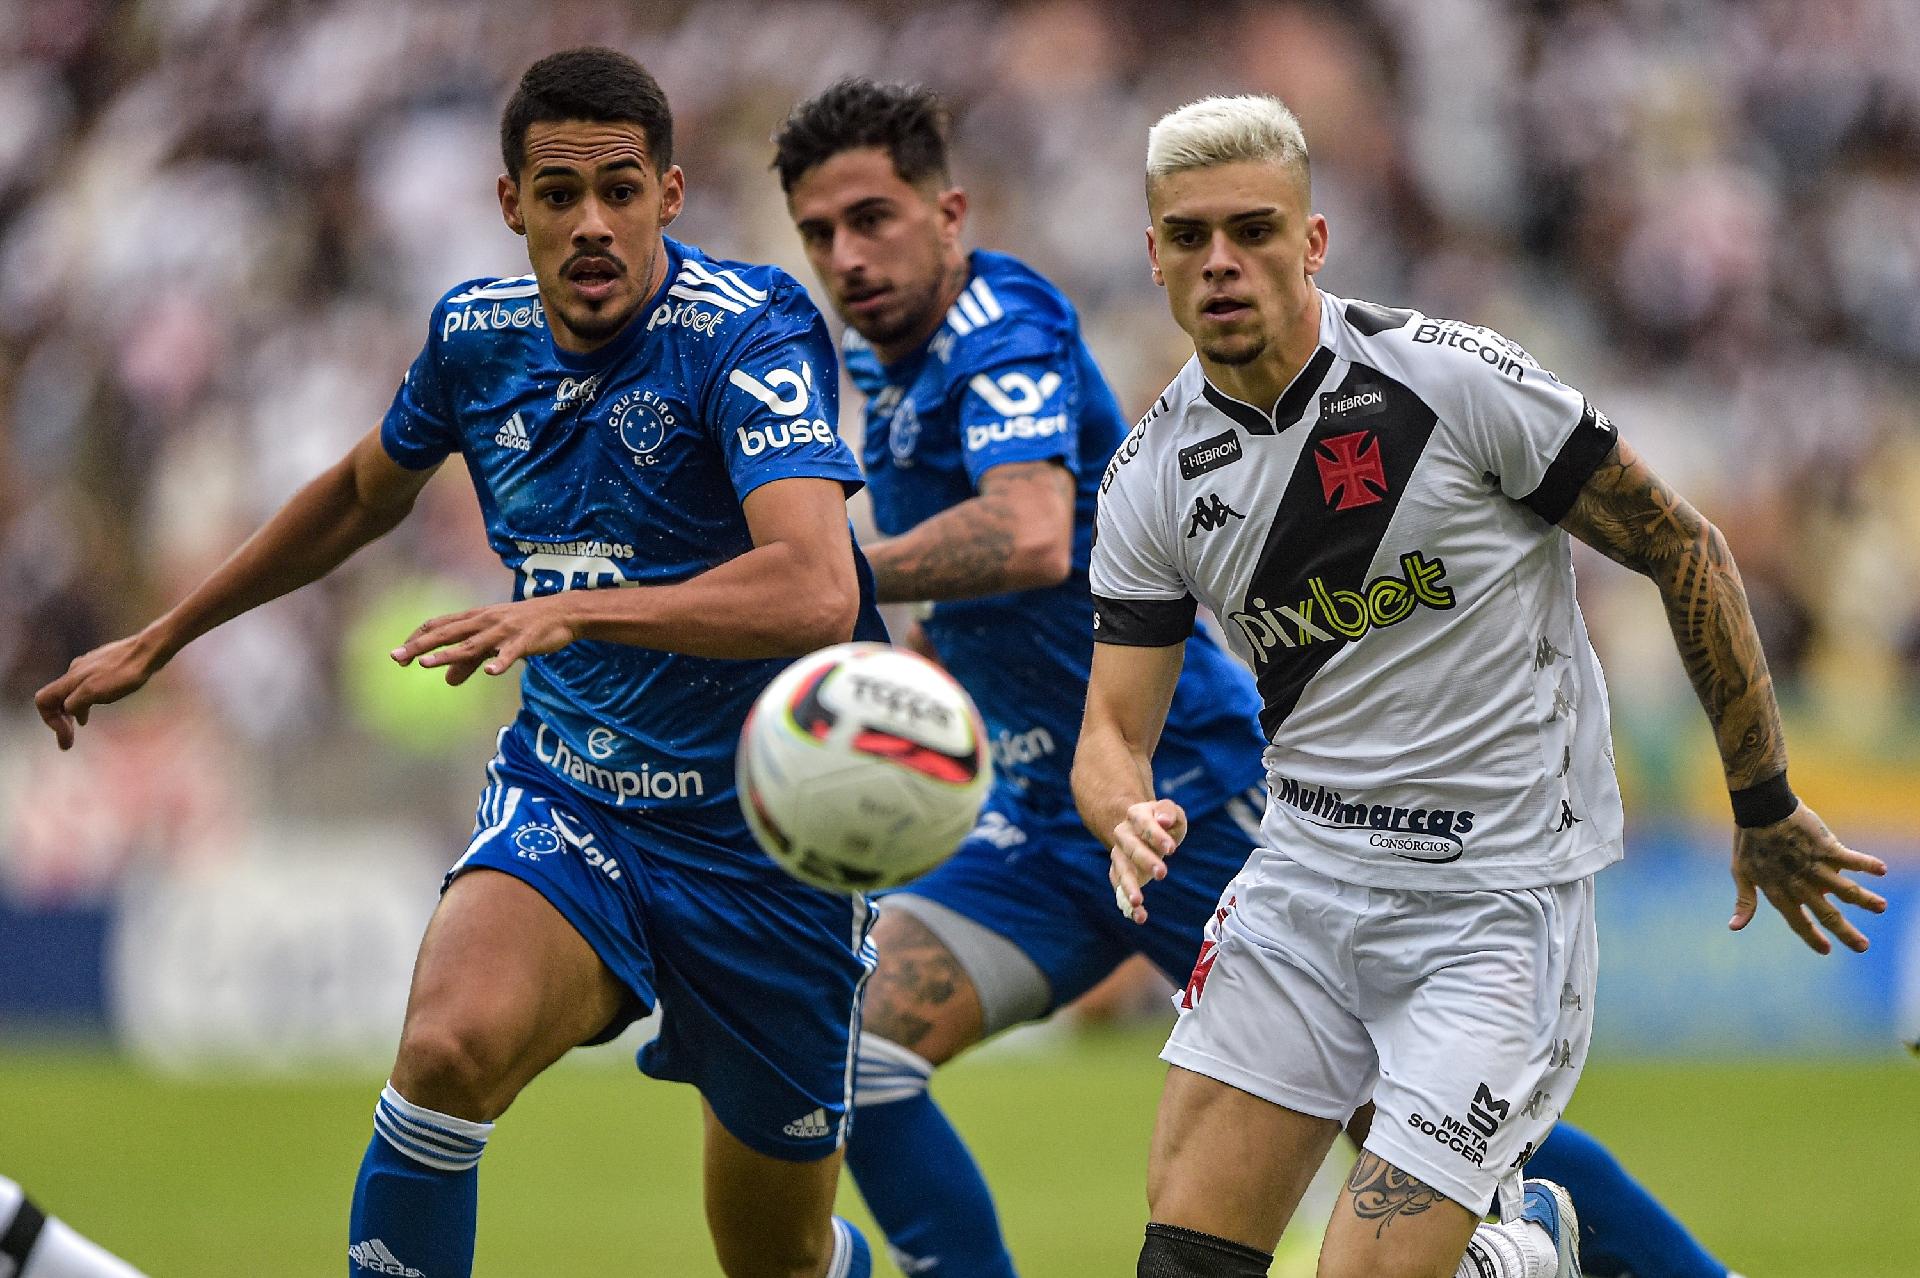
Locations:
{"points": [[642, 418], [531, 842]]}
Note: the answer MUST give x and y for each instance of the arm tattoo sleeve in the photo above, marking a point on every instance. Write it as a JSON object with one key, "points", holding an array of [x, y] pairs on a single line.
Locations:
{"points": [[969, 550], [1630, 515], [1382, 1192]]}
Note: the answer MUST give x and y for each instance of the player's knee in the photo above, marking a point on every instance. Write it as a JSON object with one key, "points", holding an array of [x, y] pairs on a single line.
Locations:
{"points": [[920, 997], [455, 1070], [793, 1253]]}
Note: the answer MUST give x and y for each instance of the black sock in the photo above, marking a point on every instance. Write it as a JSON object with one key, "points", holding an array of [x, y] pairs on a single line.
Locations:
{"points": [[1173, 1252], [16, 1242]]}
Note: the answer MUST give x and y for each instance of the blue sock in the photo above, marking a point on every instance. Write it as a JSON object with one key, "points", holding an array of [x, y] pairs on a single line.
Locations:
{"points": [[920, 1183], [415, 1203], [1623, 1228], [851, 1259]]}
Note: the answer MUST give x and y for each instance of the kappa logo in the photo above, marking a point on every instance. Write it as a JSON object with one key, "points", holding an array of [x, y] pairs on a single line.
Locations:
{"points": [[1351, 471], [513, 435], [1210, 513], [1209, 454]]}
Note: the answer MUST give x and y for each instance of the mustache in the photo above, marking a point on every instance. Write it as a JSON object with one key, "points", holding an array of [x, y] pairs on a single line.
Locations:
{"points": [[593, 255]]}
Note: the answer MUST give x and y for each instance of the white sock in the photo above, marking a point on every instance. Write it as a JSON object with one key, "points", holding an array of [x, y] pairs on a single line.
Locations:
{"points": [[58, 1252], [1519, 1249]]}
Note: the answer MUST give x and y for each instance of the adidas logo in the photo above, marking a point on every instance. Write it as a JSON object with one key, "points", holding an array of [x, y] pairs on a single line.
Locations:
{"points": [[514, 435], [374, 1256], [811, 1127]]}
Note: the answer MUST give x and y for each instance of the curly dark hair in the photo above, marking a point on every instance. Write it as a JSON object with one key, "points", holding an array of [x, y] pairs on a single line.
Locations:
{"points": [[908, 120], [591, 83]]}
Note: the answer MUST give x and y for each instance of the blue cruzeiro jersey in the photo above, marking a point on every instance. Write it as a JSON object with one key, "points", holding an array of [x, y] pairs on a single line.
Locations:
{"points": [[628, 466], [1008, 378]]}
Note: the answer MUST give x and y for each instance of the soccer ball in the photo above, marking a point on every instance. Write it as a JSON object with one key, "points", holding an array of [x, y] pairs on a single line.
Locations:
{"points": [[862, 766]]}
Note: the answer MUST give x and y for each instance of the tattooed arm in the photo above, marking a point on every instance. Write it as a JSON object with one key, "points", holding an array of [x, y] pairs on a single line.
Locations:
{"points": [[1781, 847], [1016, 534]]}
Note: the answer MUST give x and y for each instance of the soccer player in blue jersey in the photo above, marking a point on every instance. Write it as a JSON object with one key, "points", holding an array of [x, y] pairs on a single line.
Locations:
{"points": [[634, 414], [988, 433]]}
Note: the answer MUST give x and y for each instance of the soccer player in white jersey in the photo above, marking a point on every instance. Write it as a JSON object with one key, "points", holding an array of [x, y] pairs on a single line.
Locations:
{"points": [[1375, 505]]}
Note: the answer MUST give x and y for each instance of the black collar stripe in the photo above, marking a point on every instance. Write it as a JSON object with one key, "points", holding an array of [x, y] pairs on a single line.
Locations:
{"points": [[1291, 406]]}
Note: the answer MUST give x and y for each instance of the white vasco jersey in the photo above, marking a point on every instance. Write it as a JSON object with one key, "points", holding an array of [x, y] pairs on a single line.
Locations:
{"points": [[1381, 549]]}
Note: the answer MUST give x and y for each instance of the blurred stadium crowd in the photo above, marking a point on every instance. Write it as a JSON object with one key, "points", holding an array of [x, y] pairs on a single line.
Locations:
{"points": [[222, 223]]}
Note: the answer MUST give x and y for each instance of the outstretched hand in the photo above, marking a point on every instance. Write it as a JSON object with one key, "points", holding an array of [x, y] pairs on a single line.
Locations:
{"points": [[108, 673], [490, 638], [1141, 845], [1798, 864]]}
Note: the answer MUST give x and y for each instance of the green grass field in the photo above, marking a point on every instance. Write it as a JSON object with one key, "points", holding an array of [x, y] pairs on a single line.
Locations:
{"points": [[1789, 1171]]}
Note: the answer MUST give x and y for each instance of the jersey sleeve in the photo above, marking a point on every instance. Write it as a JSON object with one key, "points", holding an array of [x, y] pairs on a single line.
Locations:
{"points": [[1538, 436], [418, 430], [775, 400], [1018, 401], [1139, 597]]}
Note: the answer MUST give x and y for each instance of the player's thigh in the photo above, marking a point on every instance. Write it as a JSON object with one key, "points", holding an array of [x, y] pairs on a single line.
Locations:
{"points": [[1480, 1052], [919, 995], [502, 988], [770, 1217], [1391, 1224], [1228, 1163]]}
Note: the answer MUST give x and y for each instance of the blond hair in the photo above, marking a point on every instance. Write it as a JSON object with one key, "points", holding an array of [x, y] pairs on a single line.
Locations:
{"points": [[1225, 130]]}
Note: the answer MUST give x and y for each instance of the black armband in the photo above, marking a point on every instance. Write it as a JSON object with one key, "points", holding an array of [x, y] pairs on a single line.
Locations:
{"points": [[1590, 444], [1763, 804], [1143, 623]]}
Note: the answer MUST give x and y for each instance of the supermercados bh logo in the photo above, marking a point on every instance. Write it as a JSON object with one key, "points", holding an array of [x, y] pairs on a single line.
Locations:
{"points": [[642, 419], [1328, 614], [1430, 834], [513, 303]]}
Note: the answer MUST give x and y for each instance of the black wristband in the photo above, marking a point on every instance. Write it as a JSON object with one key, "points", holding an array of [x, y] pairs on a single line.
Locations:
{"points": [[1763, 804]]}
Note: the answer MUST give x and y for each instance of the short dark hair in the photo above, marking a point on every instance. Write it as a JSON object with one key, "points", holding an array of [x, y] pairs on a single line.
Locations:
{"points": [[908, 120], [601, 85]]}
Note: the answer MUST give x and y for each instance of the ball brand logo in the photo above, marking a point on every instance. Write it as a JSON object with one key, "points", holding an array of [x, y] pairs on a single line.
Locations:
{"points": [[897, 701], [1328, 614], [642, 419]]}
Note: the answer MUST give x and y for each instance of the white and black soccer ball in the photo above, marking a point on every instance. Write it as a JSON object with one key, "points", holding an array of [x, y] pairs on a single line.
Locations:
{"points": [[862, 766]]}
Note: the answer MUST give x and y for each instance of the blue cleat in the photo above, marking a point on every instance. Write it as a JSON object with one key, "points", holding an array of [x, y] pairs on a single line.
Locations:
{"points": [[1551, 1207]]}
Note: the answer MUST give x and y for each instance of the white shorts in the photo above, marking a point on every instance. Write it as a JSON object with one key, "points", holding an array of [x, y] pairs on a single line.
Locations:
{"points": [[1464, 1016]]}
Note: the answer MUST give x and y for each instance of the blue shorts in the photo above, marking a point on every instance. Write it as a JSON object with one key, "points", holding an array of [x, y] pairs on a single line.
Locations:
{"points": [[1041, 882], [759, 976]]}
